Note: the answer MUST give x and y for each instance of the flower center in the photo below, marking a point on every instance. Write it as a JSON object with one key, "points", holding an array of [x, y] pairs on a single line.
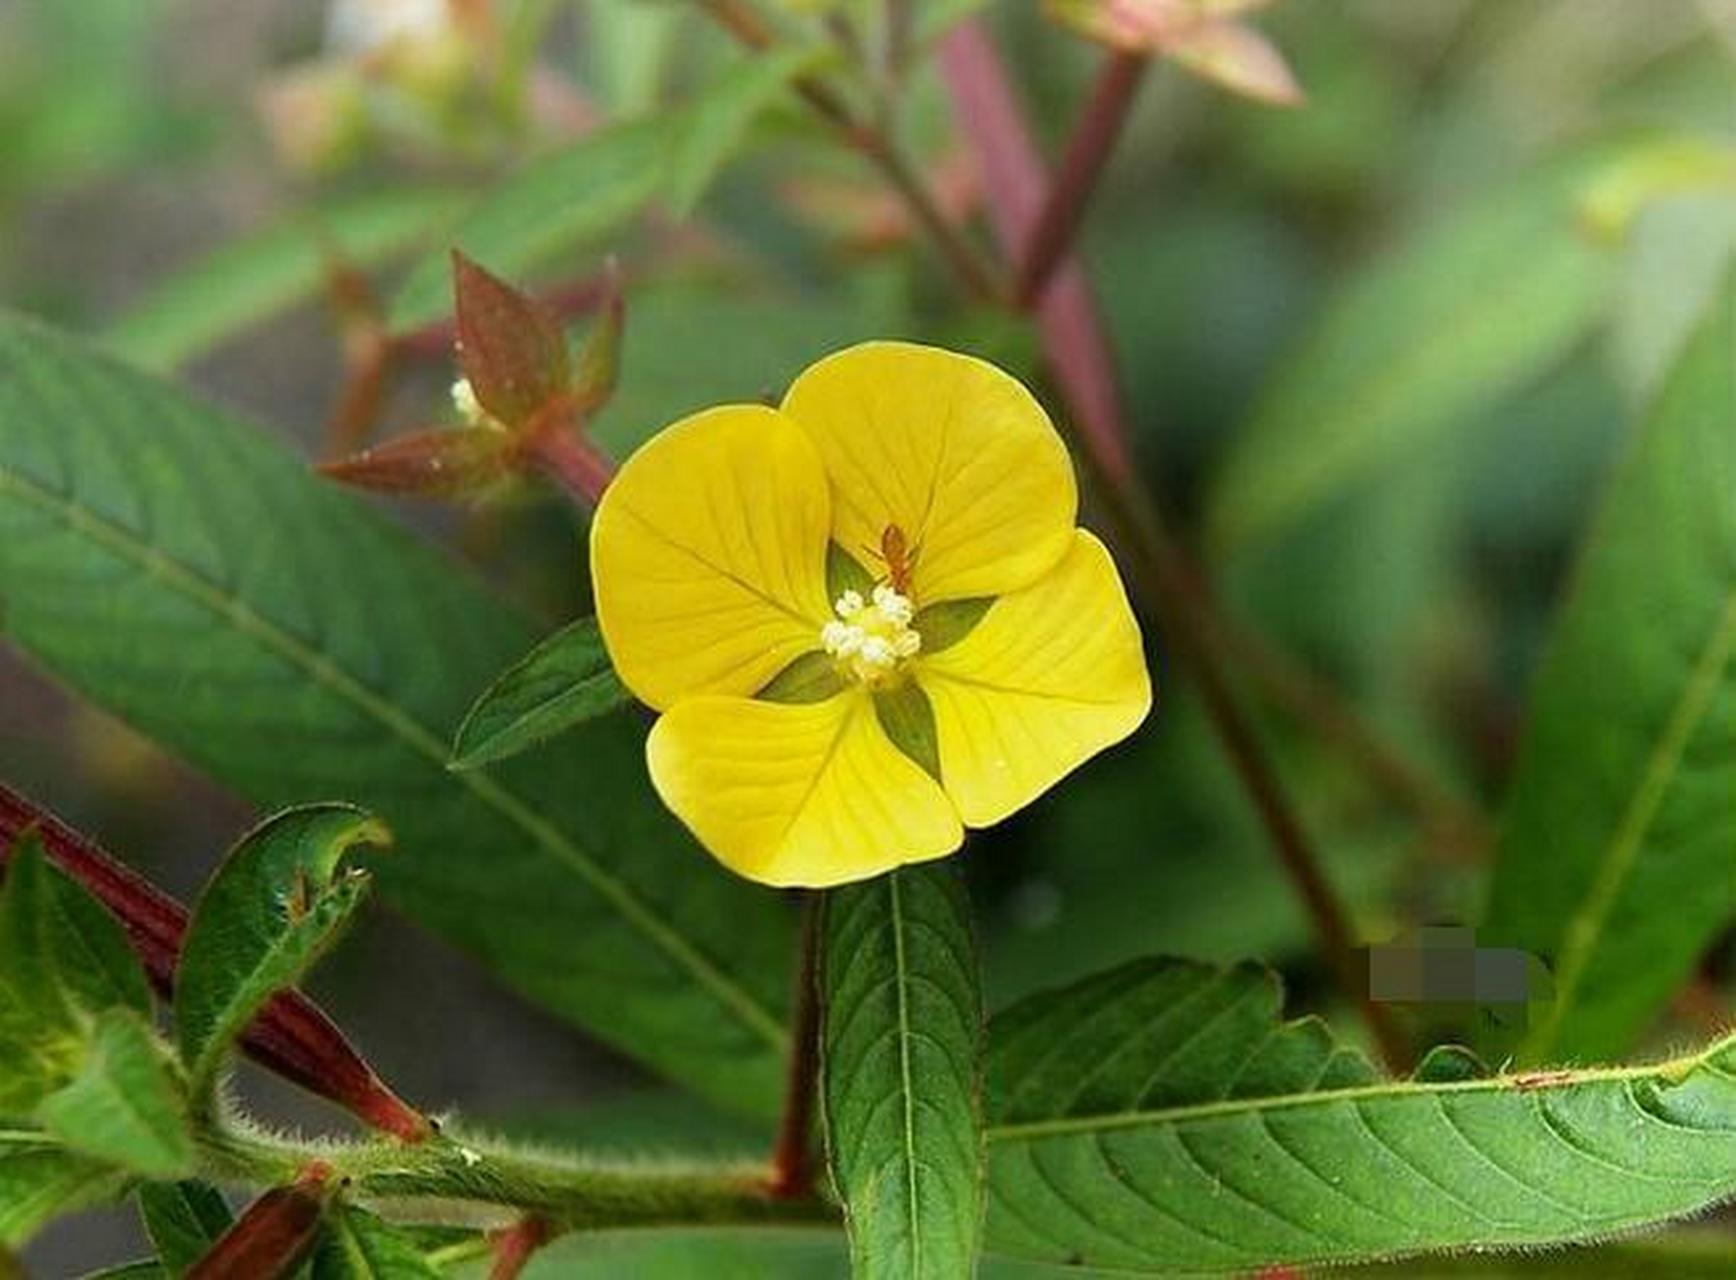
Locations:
{"points": [[872, 639]]}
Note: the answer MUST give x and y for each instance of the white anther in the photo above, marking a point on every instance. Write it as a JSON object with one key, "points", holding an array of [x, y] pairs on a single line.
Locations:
{"points": [[871, 641]]}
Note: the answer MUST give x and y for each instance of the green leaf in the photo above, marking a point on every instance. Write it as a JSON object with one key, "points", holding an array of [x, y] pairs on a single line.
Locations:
{"points": [[278, 902], [183, 1220], [40, 1181], [60, 949], [1159, 1118], [253, 278], [901, 1072], [125, 1107], [563, 682], [63, 959], [187, 573], [1420, 342], [358, 1246], [575, 196], [1617, 861], [714, 125]]}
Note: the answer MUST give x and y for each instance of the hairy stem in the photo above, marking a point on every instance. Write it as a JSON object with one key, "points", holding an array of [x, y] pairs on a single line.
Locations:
{"points": [[455, 1170]]}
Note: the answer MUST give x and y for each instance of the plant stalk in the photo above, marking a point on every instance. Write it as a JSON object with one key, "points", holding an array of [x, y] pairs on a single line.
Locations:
{"points": [[1088, 150], [1078, 353], [972, 269], [792, 1175]]}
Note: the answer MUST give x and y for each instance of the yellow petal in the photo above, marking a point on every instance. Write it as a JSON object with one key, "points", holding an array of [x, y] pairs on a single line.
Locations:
{"points": [[708, 555], [954, 452], [809, 794], [1051, 676]]}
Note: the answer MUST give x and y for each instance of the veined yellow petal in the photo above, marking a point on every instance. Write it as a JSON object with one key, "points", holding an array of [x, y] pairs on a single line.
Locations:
{"points": [[708, 555], [1052, 675], [957, 454], [809, 794]]}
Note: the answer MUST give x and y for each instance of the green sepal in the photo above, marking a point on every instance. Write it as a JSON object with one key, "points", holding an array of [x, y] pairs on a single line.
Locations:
{"points": [[908, 718], [813, 677]]}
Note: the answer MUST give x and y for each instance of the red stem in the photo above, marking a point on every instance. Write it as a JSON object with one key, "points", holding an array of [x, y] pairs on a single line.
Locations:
{"points": [[1015, 178], [291, 1036], [514, 1246], [270, 1239], [1078, 355], [792, 1176], [575, 464], [1088, 150]]}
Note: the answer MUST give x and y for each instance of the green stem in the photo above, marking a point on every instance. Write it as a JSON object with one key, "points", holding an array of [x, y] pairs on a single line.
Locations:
{"points": [[453, 1170]]}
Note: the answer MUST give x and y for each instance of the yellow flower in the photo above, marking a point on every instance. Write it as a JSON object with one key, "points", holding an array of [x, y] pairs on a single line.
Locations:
{"points": [[866, 616]]}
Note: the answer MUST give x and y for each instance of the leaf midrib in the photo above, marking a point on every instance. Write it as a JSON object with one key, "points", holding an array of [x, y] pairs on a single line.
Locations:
{"points": [[900, 965], [1584, 928], [323, 670], [1065, 1126]]}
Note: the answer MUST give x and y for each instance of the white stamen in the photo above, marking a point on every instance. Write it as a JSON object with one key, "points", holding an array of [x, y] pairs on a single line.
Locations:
{"points": [[872, 641]]}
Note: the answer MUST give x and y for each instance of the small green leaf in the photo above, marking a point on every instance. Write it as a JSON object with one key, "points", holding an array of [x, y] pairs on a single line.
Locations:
{"points": [[563, 682], [40, 1180], [943, 625], [844, 572], [125, 1107], [183, 1219], [63, 959], [908, 718], [716, 122], [358, 1246], [250, 279], [1617, 861], [275, 905], [580, 194], [813, 677], [901, 1072], [1159, 1118]]}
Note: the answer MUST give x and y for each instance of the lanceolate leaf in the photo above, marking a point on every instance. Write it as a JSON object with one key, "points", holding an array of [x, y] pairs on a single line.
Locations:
{"points": [[40, 1180], [901, 1074], [251, 278], [717, 121], [580, 194], [125, 1107], [276, 904], [358, 1246], [180, 569], [183, 1219], [1160, 1118], [561, 683], [1421, 341], [1618, 853]]}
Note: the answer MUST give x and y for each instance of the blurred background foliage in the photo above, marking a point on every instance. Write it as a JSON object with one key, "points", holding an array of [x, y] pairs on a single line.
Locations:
{"points": [[1380, 352]]}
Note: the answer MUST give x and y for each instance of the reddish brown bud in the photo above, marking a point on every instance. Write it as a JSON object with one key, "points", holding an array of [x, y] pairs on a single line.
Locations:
{"points": [[510, 346], [291, 1036], [444, 463], [272, 1237]]}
